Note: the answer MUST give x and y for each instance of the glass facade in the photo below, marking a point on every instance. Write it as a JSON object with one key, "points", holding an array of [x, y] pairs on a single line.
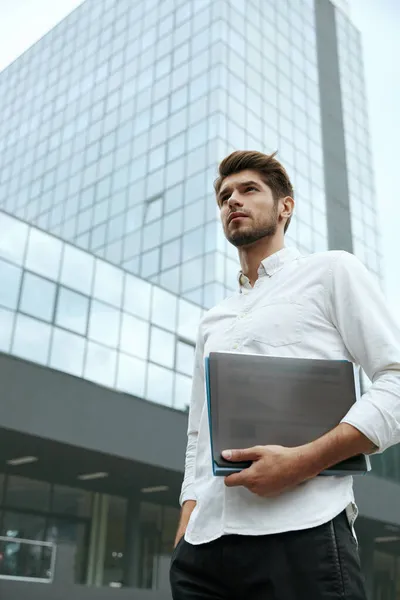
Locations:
{"points": [[35, 514], [363, 205], [113, 123], [65, 308]]}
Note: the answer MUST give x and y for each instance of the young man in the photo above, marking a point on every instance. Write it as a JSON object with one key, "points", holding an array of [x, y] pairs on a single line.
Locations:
{"points": [[276, 530]]}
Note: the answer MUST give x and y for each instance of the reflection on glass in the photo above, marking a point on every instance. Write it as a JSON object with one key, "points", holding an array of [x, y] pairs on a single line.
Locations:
{"points": [[164, 309], [13, 238], [150, 262], [184, 358], [183, 390], [31, 339], [170, 254], [131, 375], [137, 296], [21, 557], [108, 283], [104, 323], [71, 501], [159, 385], [162, 347], [10, 280], [192, 274], [71, 539], [72, 310], [44, 254], [134, 336], [67, 352], [37, 297], [188, 320], [77, 269], [193, 243], [100, 364]]}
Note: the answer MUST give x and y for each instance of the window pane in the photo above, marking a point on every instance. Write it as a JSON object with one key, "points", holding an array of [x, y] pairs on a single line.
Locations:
{"points": [[162, 347], [134, 336], [100, 364], [159, 385], [6, 326], [67, 352], [137, 297], [10, 281], [27, 493], [77, 269], [183, 390], [13, 238], [164, 309], [104, 323], [37, 297], [31, 339], [22, 526], [71, 501], [188, 320], [44, 254], [131, 375], [72, 310], [108, 283], [185, 358]]}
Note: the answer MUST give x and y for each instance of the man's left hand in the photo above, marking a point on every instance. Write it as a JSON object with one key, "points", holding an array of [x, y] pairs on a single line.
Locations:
{"points": [[274, 470]]}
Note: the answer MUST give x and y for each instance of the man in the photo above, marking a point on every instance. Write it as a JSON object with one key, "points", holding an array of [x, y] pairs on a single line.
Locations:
{"points": [[276, 530]]}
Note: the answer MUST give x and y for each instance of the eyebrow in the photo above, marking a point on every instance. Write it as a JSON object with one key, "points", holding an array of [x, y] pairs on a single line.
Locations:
{"points": [[241, 184]]}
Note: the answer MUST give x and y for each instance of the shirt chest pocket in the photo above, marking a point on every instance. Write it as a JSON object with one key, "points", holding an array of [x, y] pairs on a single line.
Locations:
{"points": [[277, 323]]}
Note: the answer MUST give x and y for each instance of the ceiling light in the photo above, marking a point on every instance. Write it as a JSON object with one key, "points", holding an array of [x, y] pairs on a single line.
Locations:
{"points": [[392, 528], [151, 490], [89, 476], [392, 538], [23, 460]]}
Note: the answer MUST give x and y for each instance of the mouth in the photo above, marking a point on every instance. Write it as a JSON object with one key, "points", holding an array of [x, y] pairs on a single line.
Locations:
{"points": [[235, 216]]}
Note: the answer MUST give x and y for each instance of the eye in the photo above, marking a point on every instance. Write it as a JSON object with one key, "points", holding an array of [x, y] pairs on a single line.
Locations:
{"points": [[251, 188]]}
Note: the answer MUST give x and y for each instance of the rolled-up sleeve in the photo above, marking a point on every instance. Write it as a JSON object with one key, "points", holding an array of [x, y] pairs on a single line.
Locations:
{"points": [[195, 410], [372, 337]]}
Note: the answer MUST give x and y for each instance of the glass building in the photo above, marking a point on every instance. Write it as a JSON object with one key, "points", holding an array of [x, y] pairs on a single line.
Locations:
{"points": [[111, 129]]}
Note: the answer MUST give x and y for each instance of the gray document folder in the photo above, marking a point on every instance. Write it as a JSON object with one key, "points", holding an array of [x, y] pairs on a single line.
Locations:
{"points": [[255, 399]]}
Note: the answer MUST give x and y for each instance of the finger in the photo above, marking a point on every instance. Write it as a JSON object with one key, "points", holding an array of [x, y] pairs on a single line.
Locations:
{"points": [[241, 455], [236, 479]]}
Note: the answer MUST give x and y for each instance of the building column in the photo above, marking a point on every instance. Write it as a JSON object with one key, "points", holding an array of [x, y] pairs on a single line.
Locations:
{"points": [[98, 540], [132, 543], [333, 141]]}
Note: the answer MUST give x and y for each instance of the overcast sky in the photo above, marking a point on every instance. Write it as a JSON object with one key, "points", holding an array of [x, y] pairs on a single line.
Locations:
{"points": [[22, 22]]}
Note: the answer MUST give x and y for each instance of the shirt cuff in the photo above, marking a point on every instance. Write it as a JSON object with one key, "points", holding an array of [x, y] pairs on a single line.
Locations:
{"points": [[371, 422], [187, 493]]}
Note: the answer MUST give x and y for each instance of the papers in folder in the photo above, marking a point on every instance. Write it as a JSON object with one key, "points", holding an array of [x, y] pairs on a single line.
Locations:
{"points": [[264, 400]]}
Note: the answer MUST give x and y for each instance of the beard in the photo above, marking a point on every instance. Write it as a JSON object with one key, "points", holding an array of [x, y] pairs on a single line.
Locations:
{"points": [[253, 234]]}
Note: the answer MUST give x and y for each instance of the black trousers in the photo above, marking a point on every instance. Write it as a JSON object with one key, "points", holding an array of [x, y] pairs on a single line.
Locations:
{"points": [[321, 563]]}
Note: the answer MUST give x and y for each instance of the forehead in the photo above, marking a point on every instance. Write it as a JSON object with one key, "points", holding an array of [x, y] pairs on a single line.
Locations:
{"points": [[242, 177]]}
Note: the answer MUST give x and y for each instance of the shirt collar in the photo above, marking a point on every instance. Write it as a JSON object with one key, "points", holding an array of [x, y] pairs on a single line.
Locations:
{"points": [[272, 264]]}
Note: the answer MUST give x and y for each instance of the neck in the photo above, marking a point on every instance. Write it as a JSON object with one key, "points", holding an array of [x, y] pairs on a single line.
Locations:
{"points": [[251, 256]]}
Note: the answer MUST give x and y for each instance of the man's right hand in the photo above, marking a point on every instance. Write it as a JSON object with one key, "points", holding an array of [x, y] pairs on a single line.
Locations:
{"points": [[186, 511]]}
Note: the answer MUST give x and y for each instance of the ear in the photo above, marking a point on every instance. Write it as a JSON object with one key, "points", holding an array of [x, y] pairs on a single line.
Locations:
{"points": [[286, 207]]}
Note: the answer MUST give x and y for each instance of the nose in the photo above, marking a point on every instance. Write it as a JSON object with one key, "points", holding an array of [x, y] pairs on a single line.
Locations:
{"points": [[235, 200]]}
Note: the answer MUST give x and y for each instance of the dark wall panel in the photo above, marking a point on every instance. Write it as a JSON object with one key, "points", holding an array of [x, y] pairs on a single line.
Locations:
{"points": [[53, 405]]}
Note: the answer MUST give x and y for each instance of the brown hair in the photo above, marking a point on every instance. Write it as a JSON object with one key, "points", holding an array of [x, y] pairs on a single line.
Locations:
{"points": [[270, 170]]}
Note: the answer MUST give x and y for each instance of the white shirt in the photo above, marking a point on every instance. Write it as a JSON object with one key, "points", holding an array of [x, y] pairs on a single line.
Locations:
{"points": [[320, 306]]}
